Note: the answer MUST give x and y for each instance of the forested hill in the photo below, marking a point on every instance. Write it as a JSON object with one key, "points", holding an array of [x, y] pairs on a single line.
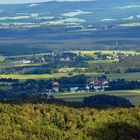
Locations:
{"points": [[50, 122]]}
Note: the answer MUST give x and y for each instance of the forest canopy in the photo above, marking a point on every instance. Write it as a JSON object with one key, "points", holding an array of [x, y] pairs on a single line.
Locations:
{"points": [[51, 122]]}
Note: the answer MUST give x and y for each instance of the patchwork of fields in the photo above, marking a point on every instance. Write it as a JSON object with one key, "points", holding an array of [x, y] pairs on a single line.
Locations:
{"points": [[33, 76], [132, 95], [16, 62]]}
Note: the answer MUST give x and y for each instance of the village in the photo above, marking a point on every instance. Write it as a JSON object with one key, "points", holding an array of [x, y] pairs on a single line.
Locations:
{"points": [[94, 85]]}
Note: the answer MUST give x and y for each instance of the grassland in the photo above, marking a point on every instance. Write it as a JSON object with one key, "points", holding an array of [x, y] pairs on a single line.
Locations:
{"points": [[33, 76], [105, 52], [1, 58], [14, 64], [132, 95], [113, 76], [43, 76], [127, 76], [92, 74], [133, 24], [101, 61]]}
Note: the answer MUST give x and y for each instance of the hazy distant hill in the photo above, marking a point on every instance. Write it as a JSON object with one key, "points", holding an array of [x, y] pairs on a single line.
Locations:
{"points": [[63, 25], [84, 12]]}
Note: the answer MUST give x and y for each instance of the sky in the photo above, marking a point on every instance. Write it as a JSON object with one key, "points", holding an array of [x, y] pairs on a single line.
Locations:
{"points": [[33, 1], [20, 1]]}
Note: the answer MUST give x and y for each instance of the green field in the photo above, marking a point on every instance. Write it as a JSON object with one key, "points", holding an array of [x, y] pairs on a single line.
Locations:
{"points": [[132, 95], [92, 74], [33, 76], [113, 76], [127, 76], [133, 24], [1, 58], [105, 52], [101, 61], [14, 64]]}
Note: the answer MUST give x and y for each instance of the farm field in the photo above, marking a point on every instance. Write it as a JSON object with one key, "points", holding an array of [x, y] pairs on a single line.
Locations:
{"points": [[101, 61], [92, 74], [13, 64], [105, 52], [1, 58], [42, 76], [132, 95], [126, 76], [33, 76]]}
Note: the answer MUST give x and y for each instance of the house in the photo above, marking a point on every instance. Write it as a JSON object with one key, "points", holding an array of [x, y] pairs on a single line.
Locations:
{"points": [[25, 61], [65, 59], [55, 86], [74, 89], [98, 84]]}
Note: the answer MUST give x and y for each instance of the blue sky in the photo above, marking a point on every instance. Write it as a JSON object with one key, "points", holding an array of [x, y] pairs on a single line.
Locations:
{"points": [[20, 1], [33, 1]]}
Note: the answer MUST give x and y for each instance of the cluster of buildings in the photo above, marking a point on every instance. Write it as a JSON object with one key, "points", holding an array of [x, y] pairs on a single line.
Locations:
{"points": [[94, 85], [113, 56]]}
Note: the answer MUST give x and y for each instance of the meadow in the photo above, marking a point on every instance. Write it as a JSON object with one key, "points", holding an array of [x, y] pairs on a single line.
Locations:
{"points": [[90, 52], [101, 61], [132, 95], [33, 76], [1, 58], [126, 76]]}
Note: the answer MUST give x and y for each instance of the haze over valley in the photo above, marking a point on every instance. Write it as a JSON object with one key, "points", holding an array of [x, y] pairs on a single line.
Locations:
{"points": [[100, 24]]}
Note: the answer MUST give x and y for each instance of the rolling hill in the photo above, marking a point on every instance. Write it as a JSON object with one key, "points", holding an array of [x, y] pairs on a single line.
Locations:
{"points": [[69, 25]]}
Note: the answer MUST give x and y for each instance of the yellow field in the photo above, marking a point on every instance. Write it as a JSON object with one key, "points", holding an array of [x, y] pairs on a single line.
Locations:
{"points": [[105, 52], [133, 24], [1, 58], [33, 76]]}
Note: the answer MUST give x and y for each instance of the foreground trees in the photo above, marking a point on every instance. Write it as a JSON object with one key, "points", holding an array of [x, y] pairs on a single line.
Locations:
{"points": [[50, 122]]}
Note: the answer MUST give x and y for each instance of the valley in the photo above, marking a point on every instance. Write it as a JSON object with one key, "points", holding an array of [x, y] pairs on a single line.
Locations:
{"points": [[98, 70], [70, 70], [69, 26]]}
